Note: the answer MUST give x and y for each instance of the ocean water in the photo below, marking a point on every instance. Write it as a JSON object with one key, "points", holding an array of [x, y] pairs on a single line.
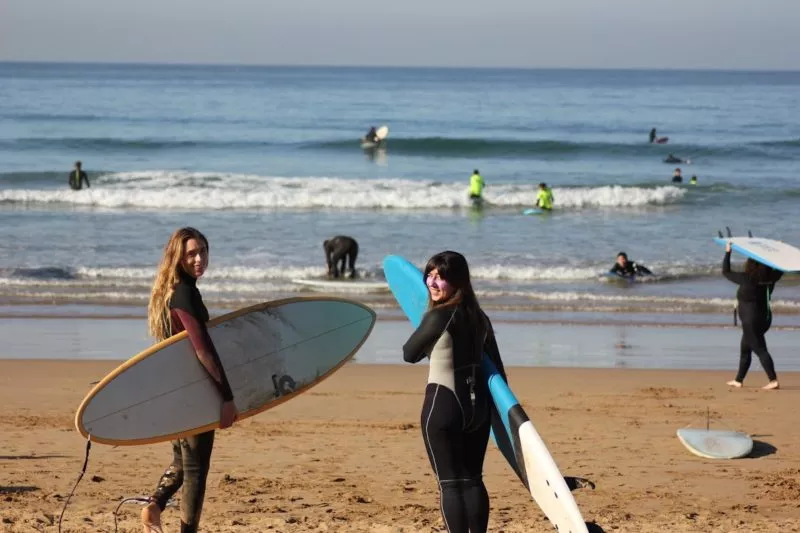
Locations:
{"points": [[266, 161]]}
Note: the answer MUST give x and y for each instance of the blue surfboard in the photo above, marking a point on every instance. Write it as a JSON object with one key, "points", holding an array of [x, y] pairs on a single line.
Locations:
{"points": [[533, 211], [775, 254], [512, 430]]}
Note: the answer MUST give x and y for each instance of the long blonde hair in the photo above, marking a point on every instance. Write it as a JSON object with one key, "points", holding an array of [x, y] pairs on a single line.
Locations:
{"points": [[159, 322]]}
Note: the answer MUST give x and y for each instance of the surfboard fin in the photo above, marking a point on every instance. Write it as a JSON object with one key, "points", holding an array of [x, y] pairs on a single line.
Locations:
{"points": [[719, 232], [750, 234], [729, 231]]}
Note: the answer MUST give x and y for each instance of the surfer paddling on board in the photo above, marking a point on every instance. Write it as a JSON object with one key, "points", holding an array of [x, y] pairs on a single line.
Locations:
{"points": [[77, 177], [756, 284], [175, 306], [544, 198], [625, 268], [341, 250], [456, 413]]}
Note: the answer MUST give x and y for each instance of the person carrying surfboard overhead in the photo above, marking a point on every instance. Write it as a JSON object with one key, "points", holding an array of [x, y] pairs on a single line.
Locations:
{"points": [[338, 251], [175, 306], [456, 412], [476, 185], [626, 268], [756, 284], [544, 198]]}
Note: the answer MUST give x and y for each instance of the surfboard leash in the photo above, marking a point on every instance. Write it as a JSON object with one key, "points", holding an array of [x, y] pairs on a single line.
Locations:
{"points": [[80, 476]]}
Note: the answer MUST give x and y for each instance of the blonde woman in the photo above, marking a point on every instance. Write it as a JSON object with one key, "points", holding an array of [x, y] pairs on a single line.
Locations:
{"points": [[175, 306]]}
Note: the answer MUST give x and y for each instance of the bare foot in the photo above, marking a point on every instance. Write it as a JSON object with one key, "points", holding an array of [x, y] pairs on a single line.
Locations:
{"points": [[151, 519], [772, 385], [734, 383]]}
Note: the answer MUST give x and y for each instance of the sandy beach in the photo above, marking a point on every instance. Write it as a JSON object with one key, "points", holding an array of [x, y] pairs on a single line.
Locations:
{"points": [[347, 456]]}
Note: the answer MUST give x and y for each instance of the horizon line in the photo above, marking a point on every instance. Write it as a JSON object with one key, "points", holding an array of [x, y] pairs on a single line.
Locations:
{"points": [[396, 67]]}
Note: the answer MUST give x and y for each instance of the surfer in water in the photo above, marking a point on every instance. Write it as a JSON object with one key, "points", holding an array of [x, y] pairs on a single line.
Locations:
{"points": [[372, 136], [625, 268], [652, 136], [338, 251], [456, 413], [476, 185], [672, 159], [677, 177], [756, 284], [544, 198], [77, 177], [175, 306]]}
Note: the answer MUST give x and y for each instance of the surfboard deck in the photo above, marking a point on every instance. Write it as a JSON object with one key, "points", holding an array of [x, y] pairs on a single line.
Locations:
{"points": [[715, 443], [533, 211], [343, 285], [776, 254], [381, 133], [662, 140], [271, 352], [514, 433]]}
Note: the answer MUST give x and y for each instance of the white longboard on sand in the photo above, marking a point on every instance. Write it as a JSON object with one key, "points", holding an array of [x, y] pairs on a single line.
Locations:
{"points": [[271, 352], [716, 443], [343, 286]]}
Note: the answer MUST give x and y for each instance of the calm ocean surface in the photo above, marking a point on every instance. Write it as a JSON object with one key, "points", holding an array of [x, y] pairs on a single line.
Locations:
{"points": [[266, 161]]}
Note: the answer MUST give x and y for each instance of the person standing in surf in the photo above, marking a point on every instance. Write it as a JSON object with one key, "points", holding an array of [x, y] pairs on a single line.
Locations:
{"points": [[175, 306], [544, 198], [77, 177], [476, 185], [456, 413], [756, 284]]}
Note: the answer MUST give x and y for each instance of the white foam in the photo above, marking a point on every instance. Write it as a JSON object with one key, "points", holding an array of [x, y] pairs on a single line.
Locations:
{"points": [[180, 190]]}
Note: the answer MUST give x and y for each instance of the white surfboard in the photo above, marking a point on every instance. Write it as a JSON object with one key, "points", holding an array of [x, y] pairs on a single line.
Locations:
{"points": [[381, 133], [716, 443], [775, 254], [271, 352], [343, 286]]}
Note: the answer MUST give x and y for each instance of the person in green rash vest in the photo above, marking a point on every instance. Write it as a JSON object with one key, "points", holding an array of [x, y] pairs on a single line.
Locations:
{"points": [[77, 177], [476, 185], [544, 198]]}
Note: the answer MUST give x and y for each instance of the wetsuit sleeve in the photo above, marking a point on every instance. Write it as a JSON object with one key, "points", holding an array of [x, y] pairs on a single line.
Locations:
{"points": [[774, 277], [419, 345], [204, 347], [85, 176], [739, 278], [615, 269], [641, 269], [493, 352]]}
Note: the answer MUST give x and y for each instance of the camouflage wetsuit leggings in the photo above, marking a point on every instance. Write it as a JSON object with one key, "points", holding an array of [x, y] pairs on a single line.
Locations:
{"points": [[189, 470]]}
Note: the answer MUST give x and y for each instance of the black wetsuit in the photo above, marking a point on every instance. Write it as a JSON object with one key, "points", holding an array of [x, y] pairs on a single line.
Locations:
{"points": [[652, 135], [191, 455], [337, 250], [754, 312], [76, 179], [456, 413], [673, 159], [631, 268]]}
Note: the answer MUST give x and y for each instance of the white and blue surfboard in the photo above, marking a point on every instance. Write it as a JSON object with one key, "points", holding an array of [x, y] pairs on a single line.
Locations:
{"points": [[512, 430], [775, 254]]}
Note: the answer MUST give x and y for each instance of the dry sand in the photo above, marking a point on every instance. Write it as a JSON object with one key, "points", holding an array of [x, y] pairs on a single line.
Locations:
{"points": [[347, 456]]}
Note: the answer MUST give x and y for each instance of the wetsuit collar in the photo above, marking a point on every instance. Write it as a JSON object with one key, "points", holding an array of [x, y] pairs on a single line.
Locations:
{"points": [[186, 277]]}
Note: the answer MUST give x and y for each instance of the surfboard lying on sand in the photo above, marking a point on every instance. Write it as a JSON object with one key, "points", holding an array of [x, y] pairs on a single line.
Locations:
{"points": [[514, 433], [332, 285], [381, 133], [716, 443], [776, 254], [271, 352]]}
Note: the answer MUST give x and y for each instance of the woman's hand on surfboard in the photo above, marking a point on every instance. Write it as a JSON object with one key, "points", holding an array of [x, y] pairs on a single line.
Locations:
{"points": [[228, 415], [728, 247]]}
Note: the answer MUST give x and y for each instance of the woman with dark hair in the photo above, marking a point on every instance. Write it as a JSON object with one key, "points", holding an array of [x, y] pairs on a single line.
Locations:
{"points": [[756, 284], [456, 413]]}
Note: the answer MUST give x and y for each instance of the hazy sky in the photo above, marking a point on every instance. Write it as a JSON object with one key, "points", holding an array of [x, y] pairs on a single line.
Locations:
{"points": [[759, 34]]}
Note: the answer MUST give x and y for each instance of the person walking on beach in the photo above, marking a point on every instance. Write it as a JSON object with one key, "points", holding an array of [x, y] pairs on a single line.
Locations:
{"points": [[77, 177], [756, 284], [176, 305], [338, 251], [456, 412]]}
